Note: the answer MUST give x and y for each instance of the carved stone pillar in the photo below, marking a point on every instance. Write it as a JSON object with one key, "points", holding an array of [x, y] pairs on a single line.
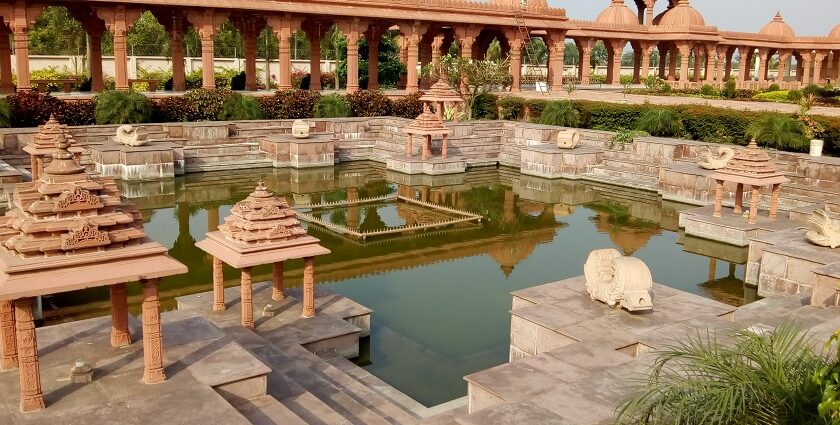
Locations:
{"points": [[663, 61], [585, 47], [284, 58], [754, 205], [697, 65], [176, 35], [277, 293], [672, 64], [444, 149], [120, 335], [20, 30], [709, 72], [739, 198], [315, 62], [784, 59], [119, 31], [246, 298], [250, 40], [774, 201], [309, 287], [685, 52], [6, 85], [353, 62], [743, 64], [617, 48], [728, 71], [218, 285], [637, 66], [718, 198], [8, 336], [153, 372], [644, 66], [763, 58], [720, 62], [411, 82], [373, 60], [31, 395], [437, 44], [516, 65], [408, 147], [95, 59], [818, 62], [555, 61], [206, 23], [805, 78]]}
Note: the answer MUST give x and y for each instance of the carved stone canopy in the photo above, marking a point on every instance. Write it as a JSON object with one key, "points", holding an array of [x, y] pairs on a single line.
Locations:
{"points": [[262, 218], [48, 133], [427, 123], [751, 166], [441, 91]]}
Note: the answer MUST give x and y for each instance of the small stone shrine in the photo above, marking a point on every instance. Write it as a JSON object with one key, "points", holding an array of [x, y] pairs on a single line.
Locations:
{"points": [[441, 94], [426, 126], [261, 229], [42, 145], [751, 167], [67, 231]]}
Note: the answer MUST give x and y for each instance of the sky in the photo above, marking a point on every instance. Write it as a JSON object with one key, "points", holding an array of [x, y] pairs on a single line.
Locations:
{"points": [[807, 17]]}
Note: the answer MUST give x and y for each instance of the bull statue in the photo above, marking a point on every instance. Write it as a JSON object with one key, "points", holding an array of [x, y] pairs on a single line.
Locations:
{"points": [[709, 161], [824, 231], [618, 280], [130, 136]]}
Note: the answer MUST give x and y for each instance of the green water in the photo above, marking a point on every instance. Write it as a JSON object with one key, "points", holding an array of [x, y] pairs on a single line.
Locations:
{"points": [[440, 299]]}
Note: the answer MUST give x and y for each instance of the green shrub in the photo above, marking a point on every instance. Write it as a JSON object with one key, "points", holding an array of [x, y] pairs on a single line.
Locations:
{"points": [[408, 106], [773, 96], [560, 113], [31, 108], [708, 90], [162, 76], [535, 108], [795, 95], [290, 104], [715, 125], [77, 112], [511, 108], [240, 107], [5, 113], [122, 107], [327, 81], [828, 380], [812, 89], [666, 88], [369, 103], [661, 122], [773, 87], [332, 106], [194, 79], [777, 131], [608, 116], [205, 104], [654, 83], [171, 109], [623, 137], [484, 107], [53, 73], [729, 89]]}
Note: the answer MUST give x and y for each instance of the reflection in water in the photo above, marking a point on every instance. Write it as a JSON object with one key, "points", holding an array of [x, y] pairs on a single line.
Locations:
{"points": [[440, 298]]}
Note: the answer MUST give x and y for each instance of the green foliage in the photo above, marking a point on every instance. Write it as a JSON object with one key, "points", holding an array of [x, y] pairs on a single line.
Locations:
{"points": [[369, 103], [560, 113], [494, 51], [661, 122], [205, 104], [758, 378], [53, 73], [290, 104], [31, 108], [484, 107], [511, 107], [608, 116], [812, 89], [408, 106], [778, 132], [773, 96], [5, 113], [473, 79], [794, 95], [56, 32], [535, 108], [729, 89], [171, 109], [239, 107], [828, 379], [121, 107], [332, 106], [77, 112], [774, 87], [716, 125], [654, 83], [623, 137], [708, 90], [163, 76], [626, 81]]}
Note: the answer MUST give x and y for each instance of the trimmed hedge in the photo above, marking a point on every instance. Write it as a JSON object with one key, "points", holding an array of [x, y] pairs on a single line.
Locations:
{"points": [[484, 107], [535, 108], [289, 104], [511, 108]]}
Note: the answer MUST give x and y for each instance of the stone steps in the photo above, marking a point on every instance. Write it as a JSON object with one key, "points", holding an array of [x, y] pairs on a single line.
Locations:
{"points": [[809, 191], [224, 149], [632, 165], [232, 156], [266, 410], [625, 177]]}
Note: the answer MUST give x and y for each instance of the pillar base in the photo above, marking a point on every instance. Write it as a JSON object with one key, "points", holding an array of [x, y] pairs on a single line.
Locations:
{"points": [[32, 404], [151, 377], [120, 339]]}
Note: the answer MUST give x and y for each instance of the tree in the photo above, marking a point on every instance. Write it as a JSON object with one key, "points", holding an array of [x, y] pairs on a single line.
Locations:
{"points": [[56, 32], [628, 58], [473, 78], [148, 37], [599, 54], [570, 54], [494, 51], [540, 51]]}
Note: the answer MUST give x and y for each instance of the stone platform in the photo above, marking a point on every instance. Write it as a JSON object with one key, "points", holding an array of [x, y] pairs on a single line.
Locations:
{"points": [[730, 228], [157, 160], [551, 162], [318, 150], [432, 166]]}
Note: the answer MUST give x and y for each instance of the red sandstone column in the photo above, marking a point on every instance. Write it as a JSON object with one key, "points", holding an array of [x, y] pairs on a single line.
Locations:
{"points": [[754, 205], [120, 335], [20, 31], [516, 65], [697, 63], [353, 62], [784, 57], [437, 43], [720, 64], [774, 201], [685, 52], [805, 78], [277, 293], [718, 197], [208, 72], [444, 150], [555, 63], [739, 198], [672, 64], [179, 81], [250, 57], [284, 58], [617, 47], [119, 30], [97, 83], [315, 62], [637, 67], [31, 395], [308, 287], [8, 338], [246, 298], [762, 64], [411, 83], [373, 36], [153, 372], [818, 62], [645, 65], [585, 60], [427, 141], [6, 85], [218, 285]]}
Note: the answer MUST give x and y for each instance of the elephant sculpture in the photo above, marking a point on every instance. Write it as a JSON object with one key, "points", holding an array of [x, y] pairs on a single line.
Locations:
{"points": [[130, 136], [710, 161], [618, 280], [824, 231]]}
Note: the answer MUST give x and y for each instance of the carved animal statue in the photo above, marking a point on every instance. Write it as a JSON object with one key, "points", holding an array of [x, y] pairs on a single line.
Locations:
{"points": [[710, 161], [568, 139], [300, 129], [618, 280], [130, 136], [824, 230]]}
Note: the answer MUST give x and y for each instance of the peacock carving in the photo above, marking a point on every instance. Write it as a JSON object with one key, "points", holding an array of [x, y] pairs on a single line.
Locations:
{"points": [[825, 231], [130, 136], [710, 161]]}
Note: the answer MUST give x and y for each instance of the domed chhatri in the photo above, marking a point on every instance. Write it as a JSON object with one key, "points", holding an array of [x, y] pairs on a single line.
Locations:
{"points": [[835, 32], [441, 94], [617, 14], [262, 218], [426, 126], [682, 15], [778, 28], [43, 143]]}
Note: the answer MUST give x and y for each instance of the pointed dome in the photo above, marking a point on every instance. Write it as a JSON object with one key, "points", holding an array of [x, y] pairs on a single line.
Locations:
{"points": [[835, 33], [681, 15], [262, 218], [777, 28], [658, 18], [617, 14]]}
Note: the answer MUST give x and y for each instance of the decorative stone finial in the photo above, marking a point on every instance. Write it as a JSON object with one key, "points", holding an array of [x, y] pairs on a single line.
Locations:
{"points": [[63, 162], [81, 372], [618, 280]]}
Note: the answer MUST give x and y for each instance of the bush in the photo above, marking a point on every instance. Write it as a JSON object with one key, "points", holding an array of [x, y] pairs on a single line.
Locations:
{"points": [[812, 89], [623, 136], [729, 89], [773, 96], [53, 73], [708, 90], [205, 104], [327, 81], [290, 104], [77, 112], [535, 108], [31, 108], [511, 108], [778, 132], [171, 109], [661, 122], [560, 113], [608, 116], [369, 103], [774, 87], [716, 125], [121, 107], [332, 106], [297, 79], [240, 107], [237, 82], [795, 95], [5, 113], [408, 106], [484, 107]]}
